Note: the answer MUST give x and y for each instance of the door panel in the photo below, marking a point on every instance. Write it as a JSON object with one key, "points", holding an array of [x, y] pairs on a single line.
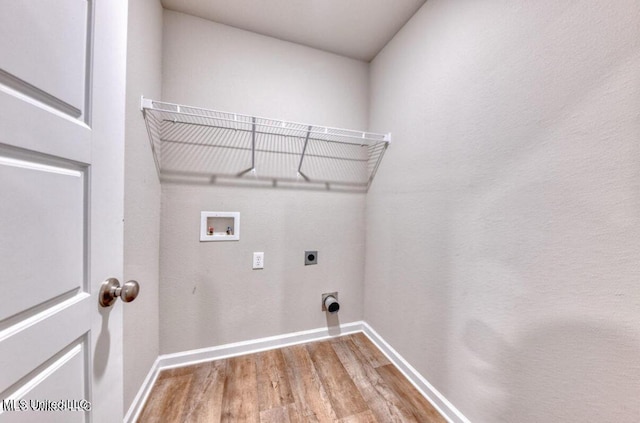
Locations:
{"points": [[65, 376], [51, 68], [33, 126], [43, 226], [34, 339]]}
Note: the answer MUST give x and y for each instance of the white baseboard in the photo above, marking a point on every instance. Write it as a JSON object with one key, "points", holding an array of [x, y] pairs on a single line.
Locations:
{"points": [[187, 358], [448, 411], [143, 393]]}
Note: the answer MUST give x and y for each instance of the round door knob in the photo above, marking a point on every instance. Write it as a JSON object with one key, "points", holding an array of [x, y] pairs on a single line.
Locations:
{"points": [[129, 291], [111, 290]]}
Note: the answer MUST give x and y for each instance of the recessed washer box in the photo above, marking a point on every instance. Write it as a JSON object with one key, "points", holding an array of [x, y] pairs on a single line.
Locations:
{"points": [[219, 226]]}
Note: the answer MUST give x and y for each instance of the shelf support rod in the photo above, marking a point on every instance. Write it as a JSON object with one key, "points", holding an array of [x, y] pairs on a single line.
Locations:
{"points": [[304, 149], [252, 169], [253, 143]]}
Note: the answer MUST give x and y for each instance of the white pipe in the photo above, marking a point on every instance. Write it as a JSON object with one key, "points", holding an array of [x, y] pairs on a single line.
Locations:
{"points": [[331, 304]]}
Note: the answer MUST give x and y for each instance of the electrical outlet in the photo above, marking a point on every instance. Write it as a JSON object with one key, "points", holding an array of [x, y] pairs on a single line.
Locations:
{"points": [[258, 260]]}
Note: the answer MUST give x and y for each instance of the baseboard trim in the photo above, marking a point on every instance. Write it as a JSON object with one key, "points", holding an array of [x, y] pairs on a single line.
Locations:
{"points": [[187, 358], [143, 393], [451, 413]]}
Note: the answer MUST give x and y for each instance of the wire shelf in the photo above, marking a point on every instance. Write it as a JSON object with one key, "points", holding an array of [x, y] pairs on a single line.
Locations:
{"points": [[197, 145]]}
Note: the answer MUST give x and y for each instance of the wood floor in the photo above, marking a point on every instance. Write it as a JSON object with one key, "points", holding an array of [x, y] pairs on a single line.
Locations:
{"points": [[345, 379]]}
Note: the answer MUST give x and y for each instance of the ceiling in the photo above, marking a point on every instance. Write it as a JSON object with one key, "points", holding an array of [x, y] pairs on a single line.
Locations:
{"points": [[352, 28]]}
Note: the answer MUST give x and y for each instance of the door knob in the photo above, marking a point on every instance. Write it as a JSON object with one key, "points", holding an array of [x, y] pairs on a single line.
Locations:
{"points": [[111, 289]]}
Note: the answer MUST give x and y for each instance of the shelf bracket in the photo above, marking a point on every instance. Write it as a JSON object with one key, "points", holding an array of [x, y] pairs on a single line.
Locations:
{"points": [[253, 148], [304, 149], [253, 143], [145, 103]]}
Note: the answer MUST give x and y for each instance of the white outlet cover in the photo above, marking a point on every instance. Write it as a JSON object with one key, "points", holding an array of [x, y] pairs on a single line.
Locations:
{"points": [[258, 260]]}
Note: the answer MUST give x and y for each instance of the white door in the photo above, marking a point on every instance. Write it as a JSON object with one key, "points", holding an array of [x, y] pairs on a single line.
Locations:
{"points": [[62, 82]]}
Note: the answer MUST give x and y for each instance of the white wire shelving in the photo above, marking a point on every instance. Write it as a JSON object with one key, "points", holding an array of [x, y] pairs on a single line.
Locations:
{"points": [[202, 146]]}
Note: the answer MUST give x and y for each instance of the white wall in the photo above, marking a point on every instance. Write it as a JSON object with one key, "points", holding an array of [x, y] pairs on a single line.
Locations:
{"points": [[209, 295], [219, 67], [142, 196], [503, 228]]}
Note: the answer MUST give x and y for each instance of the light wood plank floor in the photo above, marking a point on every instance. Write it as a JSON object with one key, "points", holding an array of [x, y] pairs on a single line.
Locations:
{"points": [[345, 379]]}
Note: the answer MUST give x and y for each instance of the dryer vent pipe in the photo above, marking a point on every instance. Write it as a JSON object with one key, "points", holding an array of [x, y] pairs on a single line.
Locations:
{"points": [[331, 304]]}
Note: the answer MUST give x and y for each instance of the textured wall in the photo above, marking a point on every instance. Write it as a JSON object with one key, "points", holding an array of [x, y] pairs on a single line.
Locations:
{"points": [[209, 295], [503, 229], [142, 196]]}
